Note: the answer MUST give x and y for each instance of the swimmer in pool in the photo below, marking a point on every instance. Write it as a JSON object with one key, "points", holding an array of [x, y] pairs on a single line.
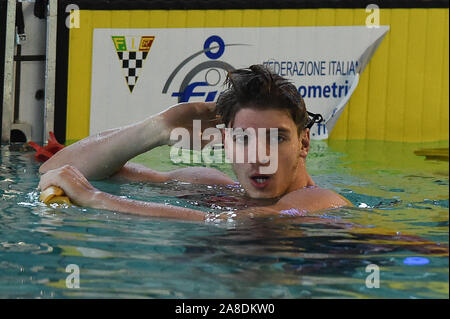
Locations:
{"points": [[255, 99]]}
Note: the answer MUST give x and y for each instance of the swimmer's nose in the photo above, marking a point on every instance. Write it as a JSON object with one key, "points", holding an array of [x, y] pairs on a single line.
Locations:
{"points": [[263, 152], [267, 158], [256, 153]]}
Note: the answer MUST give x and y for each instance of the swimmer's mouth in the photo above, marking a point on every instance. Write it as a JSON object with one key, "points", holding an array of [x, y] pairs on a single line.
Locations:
{"points": [[260, 181]]}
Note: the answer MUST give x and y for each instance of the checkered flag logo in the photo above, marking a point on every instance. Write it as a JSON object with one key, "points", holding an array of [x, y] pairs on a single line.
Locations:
{"points": [[132, 52], [131, 65]]}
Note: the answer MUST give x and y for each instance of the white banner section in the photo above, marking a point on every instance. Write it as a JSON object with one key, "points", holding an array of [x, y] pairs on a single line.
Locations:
{"points": [[140, 72]]}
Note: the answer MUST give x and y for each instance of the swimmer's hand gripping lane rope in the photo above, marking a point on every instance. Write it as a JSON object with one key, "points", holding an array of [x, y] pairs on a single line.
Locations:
{"points": [[54, 195]]}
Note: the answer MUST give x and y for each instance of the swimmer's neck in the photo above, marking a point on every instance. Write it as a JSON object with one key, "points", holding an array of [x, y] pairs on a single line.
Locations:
{"points": [[301, 179]]}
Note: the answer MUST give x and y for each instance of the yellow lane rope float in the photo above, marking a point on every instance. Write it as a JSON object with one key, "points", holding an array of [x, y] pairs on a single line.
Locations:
{"points": [[433, 153], [54, 195]]}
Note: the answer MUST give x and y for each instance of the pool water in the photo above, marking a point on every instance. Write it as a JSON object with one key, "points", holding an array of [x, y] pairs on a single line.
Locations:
{"points": [[399, 225]]}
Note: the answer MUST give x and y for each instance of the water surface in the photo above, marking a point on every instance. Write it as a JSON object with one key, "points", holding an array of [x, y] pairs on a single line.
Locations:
{"points": [[401, 211]]}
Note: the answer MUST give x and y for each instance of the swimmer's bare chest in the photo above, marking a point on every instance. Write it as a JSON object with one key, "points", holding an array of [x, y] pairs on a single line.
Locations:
{"points": [[299, 202]]}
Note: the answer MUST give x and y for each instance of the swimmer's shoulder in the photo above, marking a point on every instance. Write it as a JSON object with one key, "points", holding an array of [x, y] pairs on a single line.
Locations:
{"points": [[312, 199]]}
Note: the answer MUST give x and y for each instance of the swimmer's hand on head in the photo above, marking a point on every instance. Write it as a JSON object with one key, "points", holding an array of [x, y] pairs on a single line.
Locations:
{"points": [[183, 114]]}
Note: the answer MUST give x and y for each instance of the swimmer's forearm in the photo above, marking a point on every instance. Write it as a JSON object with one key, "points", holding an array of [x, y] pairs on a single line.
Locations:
{"points": [[100, 156], [101, 200]]}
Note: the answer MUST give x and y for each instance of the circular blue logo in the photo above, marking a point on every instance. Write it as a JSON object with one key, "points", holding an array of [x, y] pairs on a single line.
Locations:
{"points": [[207, 47]]}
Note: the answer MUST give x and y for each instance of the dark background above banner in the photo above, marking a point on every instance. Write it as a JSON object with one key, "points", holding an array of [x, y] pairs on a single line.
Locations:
{"points": [[252, 4]]}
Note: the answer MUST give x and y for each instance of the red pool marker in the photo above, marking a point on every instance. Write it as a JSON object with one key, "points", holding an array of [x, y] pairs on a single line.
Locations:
{"points": [[44, 153]]}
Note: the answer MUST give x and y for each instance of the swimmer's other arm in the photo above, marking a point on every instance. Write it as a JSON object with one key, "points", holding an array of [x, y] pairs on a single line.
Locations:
{"points": [[102, 155], [83, 194], [101, 200]]}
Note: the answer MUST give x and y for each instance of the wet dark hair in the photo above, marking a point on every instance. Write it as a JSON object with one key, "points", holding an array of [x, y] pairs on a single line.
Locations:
{"points": [[258, 87]]}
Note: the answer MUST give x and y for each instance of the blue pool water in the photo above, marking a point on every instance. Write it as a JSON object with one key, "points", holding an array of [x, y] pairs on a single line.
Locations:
{"points": [[399, 224]]}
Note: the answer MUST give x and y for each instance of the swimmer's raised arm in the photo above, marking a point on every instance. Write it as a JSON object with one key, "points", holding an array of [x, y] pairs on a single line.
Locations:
{"points": [[102, 155]]}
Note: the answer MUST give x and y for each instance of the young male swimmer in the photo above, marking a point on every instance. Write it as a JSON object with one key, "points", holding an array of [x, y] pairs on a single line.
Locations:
{"points": [[255, 99]]}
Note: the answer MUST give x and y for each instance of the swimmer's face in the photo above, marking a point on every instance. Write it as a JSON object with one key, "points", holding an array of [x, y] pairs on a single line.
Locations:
{"points": [[276, 174]]}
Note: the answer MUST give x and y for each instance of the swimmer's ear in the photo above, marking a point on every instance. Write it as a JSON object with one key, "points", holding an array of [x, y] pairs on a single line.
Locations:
{"points": [[304, 142]]}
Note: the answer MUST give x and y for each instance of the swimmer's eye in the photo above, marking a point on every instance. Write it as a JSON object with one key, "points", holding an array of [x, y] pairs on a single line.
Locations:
{"points": [[278, 139]]}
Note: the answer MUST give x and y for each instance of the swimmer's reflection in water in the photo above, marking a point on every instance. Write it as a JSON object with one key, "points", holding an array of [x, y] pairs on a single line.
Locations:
{"points": [[255, 99]]}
